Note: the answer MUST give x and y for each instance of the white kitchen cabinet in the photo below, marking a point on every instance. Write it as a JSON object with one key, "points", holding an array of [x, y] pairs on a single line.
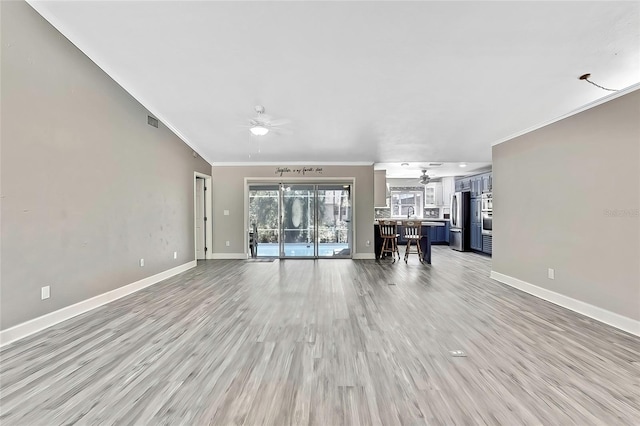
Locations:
{"points": [[448, 188], [429, 195], [433, 194], [380, 188], [439, 194]]}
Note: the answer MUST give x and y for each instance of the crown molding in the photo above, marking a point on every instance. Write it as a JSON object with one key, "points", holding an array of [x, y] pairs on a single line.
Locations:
{"points": [[293, 163]]}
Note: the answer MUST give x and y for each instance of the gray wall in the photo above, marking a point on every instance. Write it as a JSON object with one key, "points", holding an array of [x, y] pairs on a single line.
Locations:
{"points": [[88, 188], [566, 197], [228, 194]]}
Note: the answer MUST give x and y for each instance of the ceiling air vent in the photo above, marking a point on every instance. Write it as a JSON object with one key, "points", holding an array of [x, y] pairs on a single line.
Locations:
{"points": [[151, 121], [435, 164]]}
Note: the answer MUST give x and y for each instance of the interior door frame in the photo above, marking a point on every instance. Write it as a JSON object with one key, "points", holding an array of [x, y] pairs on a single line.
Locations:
{"points": [[208, 206], [301, 180]]}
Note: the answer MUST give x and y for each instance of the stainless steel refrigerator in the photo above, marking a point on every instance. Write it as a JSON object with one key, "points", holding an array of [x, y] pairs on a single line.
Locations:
{"points": [[459, 234]]}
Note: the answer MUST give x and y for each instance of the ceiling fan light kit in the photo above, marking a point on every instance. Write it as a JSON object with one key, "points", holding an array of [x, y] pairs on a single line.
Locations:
{"points": [[262, 123], [259, 130]]}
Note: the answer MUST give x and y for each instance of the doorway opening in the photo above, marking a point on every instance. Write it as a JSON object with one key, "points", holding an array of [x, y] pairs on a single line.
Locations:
{"points": [[301, 220], [202, 215]]}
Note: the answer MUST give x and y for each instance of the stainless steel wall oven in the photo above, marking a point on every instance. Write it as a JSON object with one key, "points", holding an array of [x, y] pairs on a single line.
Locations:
{"points": [[487, 201], [487, 213], [487, 219]]}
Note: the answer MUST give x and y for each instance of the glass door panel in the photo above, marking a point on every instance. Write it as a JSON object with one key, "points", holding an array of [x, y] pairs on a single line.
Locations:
{"points": [[298, 221], [263, 219], [334, 220]]}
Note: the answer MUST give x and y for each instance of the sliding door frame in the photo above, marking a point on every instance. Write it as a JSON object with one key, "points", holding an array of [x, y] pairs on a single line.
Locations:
{"points": [[300, 180]]}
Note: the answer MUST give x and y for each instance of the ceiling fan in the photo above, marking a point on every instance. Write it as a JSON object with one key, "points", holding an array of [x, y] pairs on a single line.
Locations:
{"points": [[424, 178], [262, 123]]}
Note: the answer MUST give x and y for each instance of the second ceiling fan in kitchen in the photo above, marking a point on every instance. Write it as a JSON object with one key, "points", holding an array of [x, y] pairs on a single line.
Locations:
{"points": [[424, 178]]}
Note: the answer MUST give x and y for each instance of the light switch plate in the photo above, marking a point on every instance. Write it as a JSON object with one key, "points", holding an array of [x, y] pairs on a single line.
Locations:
{"points": [[226, 212], [45, 292], [551, 274]]}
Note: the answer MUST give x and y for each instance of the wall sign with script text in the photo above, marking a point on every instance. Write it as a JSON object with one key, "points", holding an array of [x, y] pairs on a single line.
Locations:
{"points": [[302, 171]]}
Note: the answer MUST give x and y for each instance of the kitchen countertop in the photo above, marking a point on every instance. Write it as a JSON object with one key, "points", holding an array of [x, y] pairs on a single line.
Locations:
{"points": [[430, 222]]}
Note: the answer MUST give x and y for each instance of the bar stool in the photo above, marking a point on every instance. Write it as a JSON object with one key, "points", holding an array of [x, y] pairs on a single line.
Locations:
{"points": [[412, 233], [389, 236]]}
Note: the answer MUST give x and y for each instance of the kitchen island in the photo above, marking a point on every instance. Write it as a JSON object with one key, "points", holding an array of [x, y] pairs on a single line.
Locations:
{"points": [[425, 241]]}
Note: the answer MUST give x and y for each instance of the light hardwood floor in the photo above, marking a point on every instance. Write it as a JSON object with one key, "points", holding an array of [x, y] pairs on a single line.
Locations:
{"points": [[325, 342]]}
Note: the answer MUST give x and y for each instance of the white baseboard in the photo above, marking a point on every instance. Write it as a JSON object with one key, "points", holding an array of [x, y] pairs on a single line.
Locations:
{"points": [[229, 256], [611, 318], [364, 256], [27, 328]]}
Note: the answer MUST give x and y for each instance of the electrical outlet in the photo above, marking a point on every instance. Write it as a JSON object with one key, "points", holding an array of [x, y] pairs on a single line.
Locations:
{"points": [[141, 262], [226, 212], [45, 292], [551, 274], [368, 243], [175, 254], [228, 243]]}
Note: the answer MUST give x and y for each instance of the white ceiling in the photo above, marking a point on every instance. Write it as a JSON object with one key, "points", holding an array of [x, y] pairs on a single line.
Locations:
{"points": [[360, 81], [413, 170]]}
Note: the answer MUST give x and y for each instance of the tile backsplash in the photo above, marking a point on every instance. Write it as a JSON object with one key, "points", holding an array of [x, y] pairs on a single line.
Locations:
{"points": [[433, 213], [383, 213]]}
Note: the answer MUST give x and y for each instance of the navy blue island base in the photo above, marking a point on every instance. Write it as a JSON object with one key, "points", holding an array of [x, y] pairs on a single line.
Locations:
{"points": [[425, 242]]}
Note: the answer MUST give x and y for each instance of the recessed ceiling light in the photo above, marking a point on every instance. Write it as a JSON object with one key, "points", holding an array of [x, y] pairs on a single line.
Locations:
{"points": [[405, 164], [463, 164]]}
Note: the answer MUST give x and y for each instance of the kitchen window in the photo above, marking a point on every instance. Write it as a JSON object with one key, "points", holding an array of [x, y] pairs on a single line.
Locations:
{"points": [[406, 203]]}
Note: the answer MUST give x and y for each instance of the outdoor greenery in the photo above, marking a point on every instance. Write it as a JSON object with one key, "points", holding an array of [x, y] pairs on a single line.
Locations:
{"points": [[263, 211], [333, 207]]}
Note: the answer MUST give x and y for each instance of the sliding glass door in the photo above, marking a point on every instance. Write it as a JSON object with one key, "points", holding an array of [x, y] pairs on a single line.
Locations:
{"points": [[301, 220], [264, 219], [298, 221], [334, 220]]}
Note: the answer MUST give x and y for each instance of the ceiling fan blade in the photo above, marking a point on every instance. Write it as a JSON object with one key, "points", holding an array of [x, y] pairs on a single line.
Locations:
{"points": [[280, 130], [244, 126], [280, 122]]}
